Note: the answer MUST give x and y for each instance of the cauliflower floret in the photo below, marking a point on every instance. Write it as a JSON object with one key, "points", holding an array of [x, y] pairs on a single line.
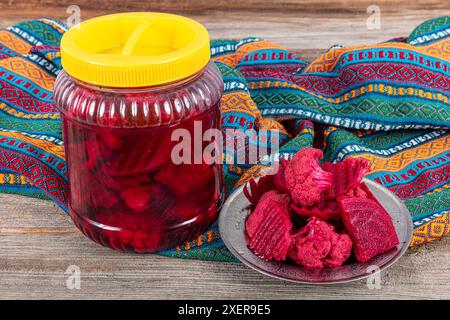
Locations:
{"points": [[318, 245], [305, 179]]}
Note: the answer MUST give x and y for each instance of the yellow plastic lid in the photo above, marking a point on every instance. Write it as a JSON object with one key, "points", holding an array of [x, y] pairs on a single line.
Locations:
{"points": [[136, 49]]}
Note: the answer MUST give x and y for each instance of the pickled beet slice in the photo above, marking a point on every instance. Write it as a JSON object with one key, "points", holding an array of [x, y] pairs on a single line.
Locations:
{"points": [[189, 174], [268, 228], [87, 197], [318, 245], [131, 222], [112, 142], [153, 197], [135, 154], [279, 178], [364, 189], [137, 199], [325, 210], [122, 182], [278, 197], [357, 192], [369, 225], [253, 190], [346, 175], [139, 232], [305, 179]]}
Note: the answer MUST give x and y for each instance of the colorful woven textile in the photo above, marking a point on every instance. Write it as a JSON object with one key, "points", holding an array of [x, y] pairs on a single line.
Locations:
{"points": [[387, 102]]}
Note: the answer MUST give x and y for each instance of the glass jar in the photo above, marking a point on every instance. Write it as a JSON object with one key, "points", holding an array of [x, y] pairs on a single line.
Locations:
{"points": [[131, 84]]}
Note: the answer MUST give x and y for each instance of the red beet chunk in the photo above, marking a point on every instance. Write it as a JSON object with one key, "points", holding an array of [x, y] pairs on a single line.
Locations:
{"points": [[152, 197], [112, 142], [142, 232], [279, 178], [280, 198], [134, 154], [318, 245], [186, 178], [131, 222], [358, 193], [305, 179], [325, 210], [253, 190], [346, 174], [368, 194], [137, 199], [268, 228], [369, 226]]}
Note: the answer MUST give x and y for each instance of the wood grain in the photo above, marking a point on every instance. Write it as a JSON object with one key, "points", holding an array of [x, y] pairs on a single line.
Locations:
{"points": [[295, 24], [38, 242]]}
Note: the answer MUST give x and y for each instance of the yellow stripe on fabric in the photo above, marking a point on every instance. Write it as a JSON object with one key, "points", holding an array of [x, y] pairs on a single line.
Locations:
{"points": [[52, 24], [9, 178], [30, 71], [19, 114], [272, 124], [14, 42], [439, 49], [433, 191], [241, 102], [233, 59], [328, 61], [41, 144], [430, 231], [370, 88], [403, 158]]}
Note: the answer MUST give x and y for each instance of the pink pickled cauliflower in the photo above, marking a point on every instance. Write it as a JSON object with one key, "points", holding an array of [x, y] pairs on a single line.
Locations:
{"points": [[306, 182], [318, 245]]}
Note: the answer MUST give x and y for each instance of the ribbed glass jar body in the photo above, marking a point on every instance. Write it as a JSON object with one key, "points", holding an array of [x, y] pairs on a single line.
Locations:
{"points": [[126, 189]]}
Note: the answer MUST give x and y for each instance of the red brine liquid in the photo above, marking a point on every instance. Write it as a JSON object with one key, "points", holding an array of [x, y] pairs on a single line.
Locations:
{"points": [[126, 192]]}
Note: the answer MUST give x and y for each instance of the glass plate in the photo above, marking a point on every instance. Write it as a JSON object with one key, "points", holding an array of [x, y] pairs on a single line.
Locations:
{"points": [[232, 230]]}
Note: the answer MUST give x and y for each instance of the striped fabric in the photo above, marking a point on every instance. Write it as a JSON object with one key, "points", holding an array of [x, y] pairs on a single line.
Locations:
{"points": [[388, 103]]}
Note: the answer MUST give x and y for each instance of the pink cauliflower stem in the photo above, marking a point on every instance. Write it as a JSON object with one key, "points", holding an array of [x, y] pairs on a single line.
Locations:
{"points": [[318, 245], [347, 176], [253, 190], [305, 179]]}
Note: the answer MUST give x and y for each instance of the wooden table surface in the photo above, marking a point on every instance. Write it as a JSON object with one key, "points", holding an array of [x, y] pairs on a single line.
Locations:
{"points": [[38, 242]]}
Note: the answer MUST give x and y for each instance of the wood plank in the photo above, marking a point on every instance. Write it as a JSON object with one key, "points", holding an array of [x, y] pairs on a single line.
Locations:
{"points": [[38, 243], [294, 24]]}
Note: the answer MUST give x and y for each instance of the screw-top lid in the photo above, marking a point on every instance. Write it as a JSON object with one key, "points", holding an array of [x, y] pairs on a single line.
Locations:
{"points": [[135, 49]]}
